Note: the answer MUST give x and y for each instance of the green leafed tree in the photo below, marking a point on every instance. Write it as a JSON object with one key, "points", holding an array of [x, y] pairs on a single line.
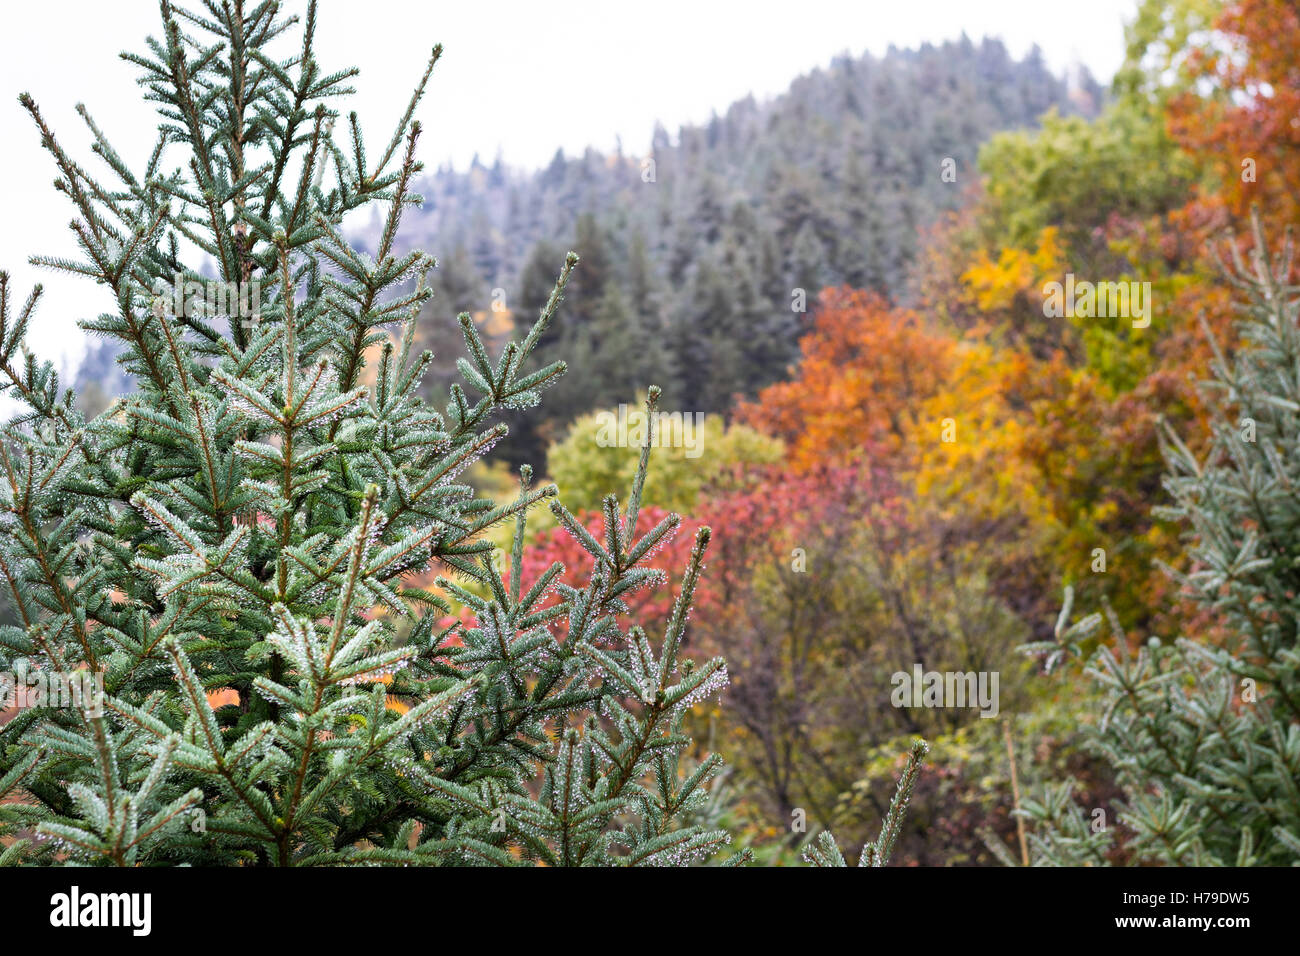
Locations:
{"points": [[1203, 734], [696, 452]]}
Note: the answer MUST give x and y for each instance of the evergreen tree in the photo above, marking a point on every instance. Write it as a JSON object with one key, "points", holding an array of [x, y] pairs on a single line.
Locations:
{"points": [[826, 852], [808, 262], [1203, 735], [241, 525]]}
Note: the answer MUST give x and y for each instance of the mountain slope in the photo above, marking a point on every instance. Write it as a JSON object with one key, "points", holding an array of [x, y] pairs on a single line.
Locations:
{"points": [[691, 254]]}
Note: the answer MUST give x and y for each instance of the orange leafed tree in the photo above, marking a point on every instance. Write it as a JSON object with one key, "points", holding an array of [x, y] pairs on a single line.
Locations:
{"points": [[1249, 135], [867, 369]]}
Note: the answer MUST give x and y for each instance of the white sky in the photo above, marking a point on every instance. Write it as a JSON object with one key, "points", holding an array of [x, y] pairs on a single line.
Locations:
{"points": [[520, 76]]}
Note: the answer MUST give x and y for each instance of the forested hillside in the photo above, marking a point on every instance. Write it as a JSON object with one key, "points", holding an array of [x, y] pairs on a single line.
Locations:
{"points": [[690, 253]]}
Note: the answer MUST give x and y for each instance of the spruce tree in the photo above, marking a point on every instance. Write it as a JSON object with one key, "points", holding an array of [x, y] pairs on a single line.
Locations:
{"points": [[244, 524], [1203, 734]]}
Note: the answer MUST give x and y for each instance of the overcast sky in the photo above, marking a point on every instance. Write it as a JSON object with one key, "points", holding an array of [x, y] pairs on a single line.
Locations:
{"points": [[521, 77]]}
